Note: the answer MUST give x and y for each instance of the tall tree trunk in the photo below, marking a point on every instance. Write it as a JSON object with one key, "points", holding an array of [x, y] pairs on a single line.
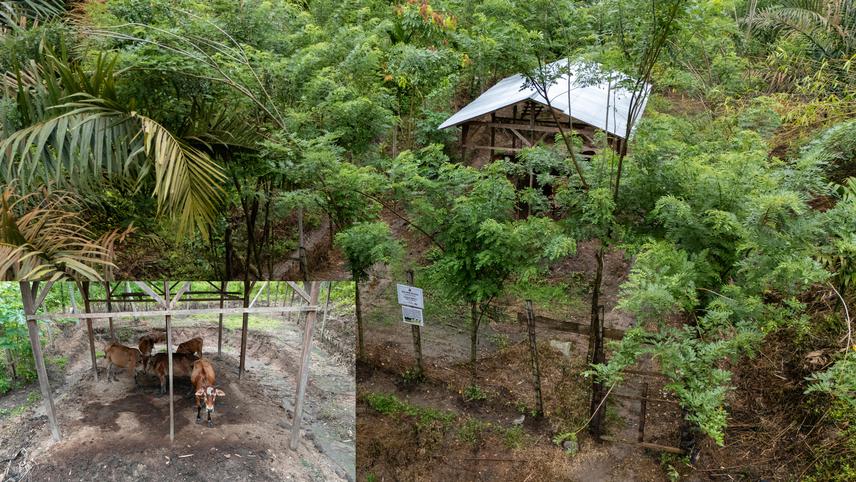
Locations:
{"points": [[361, 349], [596, 347], [12, 364], [227, 241]]}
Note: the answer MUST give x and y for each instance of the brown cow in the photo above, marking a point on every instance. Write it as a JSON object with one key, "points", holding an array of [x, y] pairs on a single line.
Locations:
{"points": [[182, 365], [147, 343], [203, 379], [193, 345], [119, 355]]}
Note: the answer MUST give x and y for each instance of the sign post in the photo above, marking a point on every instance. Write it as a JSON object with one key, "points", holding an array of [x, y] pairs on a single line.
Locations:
{"points": [[412, 304]]}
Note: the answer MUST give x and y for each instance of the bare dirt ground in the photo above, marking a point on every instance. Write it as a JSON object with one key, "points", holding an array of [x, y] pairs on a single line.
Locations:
{"points": [[116, 431], [391, 448]]}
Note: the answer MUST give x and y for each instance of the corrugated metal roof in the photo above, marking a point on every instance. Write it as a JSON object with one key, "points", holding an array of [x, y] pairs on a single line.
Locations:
{"points": [[587, 103]]}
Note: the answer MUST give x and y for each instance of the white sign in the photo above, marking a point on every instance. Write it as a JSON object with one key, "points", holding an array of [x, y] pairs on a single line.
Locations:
{"points": [[410, 296], [412, 316]]}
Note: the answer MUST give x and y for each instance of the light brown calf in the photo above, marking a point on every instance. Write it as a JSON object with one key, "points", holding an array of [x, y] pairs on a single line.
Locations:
{"points": [[122, 356], [203, 379], [182, 365], [193, 345]]}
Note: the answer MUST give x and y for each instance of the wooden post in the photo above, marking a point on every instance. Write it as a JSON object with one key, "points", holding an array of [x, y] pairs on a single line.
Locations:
{"points": [[417, 332], [643, 408], [291, 303], [248, 287], [514, 121], [492, 134], [464, 131], [531, 122], [303, 376], [133, 305], [223, 286], [109, 299], [168, 320], [84, 290], [533, 352], [28, 299]]}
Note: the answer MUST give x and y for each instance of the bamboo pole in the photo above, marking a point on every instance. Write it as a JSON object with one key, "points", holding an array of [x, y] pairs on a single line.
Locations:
{"points": [[303, 376]]}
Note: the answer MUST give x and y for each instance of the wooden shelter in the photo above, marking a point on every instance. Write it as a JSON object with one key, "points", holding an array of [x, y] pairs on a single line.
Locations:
{"points": [[166, 296], [513, 114]]}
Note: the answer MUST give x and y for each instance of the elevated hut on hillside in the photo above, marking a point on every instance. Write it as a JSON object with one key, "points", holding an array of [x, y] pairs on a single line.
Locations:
{"points": [[513, 115]]}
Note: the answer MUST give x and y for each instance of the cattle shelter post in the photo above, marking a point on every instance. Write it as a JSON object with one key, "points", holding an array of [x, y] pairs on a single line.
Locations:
{"points": [[109, 298], [168, 320], [87, 308], [303, 376], [223, 285], [28, 299]]}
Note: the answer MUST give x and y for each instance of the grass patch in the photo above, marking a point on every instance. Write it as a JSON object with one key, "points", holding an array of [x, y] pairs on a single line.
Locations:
{"points": [[500, 340], [474, 393], [473, 431], [32, 398], [58, 361], [513, 437], [236, 322], [388, 404]]}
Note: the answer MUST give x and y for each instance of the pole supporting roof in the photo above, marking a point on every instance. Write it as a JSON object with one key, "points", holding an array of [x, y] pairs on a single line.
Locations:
{"points": [[583, 92]]}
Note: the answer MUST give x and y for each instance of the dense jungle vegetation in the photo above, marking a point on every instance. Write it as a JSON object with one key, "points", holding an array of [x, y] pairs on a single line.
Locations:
{"points": [[201, 139]]}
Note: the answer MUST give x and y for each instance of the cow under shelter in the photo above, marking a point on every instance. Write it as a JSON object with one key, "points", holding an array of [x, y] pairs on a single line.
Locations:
{"points": [[267, 418], [521, 111]]}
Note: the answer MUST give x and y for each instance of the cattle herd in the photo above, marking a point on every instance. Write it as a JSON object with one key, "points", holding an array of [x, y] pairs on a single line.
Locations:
{"points": [[187, 362]]}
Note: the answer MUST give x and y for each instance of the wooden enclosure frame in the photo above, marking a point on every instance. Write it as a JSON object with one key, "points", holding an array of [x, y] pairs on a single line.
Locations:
{"points": [[33, 294], [615, 334], [528, 126]]}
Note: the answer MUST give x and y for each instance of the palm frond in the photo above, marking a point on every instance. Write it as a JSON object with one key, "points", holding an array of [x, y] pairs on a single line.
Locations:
{"points": [[188, 183], [16, 14], [829, 26], [80, 133], [44, 237]]}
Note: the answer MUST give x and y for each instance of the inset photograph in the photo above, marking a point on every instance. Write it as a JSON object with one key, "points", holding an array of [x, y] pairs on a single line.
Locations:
{"points": [[177, 380]]}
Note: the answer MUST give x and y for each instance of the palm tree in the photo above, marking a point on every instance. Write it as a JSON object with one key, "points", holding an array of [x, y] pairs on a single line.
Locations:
{"points": [[829, 25], [42, 236], [77, 130]]}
